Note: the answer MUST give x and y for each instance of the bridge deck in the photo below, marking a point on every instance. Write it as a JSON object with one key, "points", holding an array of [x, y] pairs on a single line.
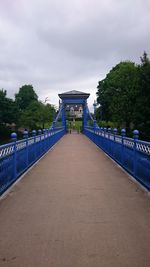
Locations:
{"points": [[75, 208]]}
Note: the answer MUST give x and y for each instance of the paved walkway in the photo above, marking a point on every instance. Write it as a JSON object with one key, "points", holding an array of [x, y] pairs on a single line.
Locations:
{"points": [[75, 208]]}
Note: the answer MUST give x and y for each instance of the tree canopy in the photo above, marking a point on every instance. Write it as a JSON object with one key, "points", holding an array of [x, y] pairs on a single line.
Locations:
{"points": [[26, 111], [124, 96], [25, 96]]}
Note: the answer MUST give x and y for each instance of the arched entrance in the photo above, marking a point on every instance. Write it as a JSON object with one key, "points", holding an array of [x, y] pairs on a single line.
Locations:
{"points": [[77, 101]]}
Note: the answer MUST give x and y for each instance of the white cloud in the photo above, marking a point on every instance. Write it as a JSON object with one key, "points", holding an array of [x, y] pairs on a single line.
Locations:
{"points": [[66, 45]]}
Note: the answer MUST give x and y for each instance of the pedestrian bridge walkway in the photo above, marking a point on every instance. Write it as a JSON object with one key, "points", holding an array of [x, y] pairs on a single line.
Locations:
{"points": [[75, 208]]}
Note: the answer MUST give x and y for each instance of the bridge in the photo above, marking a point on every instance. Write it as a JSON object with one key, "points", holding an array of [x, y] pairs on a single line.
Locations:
{"points": [[81, 202]]}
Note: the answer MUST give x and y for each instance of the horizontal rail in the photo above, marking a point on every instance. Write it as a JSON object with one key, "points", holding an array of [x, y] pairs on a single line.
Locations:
{"points": [[16, 157], [132, 154]]}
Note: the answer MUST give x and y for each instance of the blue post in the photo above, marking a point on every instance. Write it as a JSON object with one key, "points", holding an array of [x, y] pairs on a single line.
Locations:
{"points": [[34, 135], [40, 145], [105, 141], [54, 124], [84, 115], [14, 139], [115, 133], [109, 132], [44, 132], [47, 138], [25, 136], [109, 141], [123, 134], [63, 116], [101, 137], [114, 145], [39, 132], [94, 124], [135, 137]]}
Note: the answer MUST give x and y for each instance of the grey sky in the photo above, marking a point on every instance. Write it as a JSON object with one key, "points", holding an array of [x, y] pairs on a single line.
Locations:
{"points": [[64, 45]]}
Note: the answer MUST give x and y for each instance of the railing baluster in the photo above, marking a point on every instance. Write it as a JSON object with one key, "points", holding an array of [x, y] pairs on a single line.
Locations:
{"points": [[15, 157], [131, 154], [14, 139]]}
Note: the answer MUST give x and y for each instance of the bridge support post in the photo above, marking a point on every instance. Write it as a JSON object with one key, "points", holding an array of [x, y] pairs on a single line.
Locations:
{"points": [[63, 116], [135, 137], [84, 115], [14, 139]]}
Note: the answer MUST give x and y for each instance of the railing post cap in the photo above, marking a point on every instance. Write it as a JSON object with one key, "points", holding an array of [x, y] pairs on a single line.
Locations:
{"points": [[105, 129], [123, 132], [109, 130], [14, 136], [33, 132], [136, 134], [39, 131], [44, 130], [25, 134], [115, 130]]}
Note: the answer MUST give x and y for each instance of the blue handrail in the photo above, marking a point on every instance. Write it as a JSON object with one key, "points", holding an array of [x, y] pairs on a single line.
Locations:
{"points": [[132, 154], [17, 156]]}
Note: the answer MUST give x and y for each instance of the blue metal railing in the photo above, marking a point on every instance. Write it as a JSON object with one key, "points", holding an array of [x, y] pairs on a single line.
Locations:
{"points": [[132, 154], [17, 156]]}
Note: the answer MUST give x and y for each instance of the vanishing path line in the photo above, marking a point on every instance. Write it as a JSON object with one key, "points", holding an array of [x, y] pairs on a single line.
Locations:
{"points": [[75, 208]]}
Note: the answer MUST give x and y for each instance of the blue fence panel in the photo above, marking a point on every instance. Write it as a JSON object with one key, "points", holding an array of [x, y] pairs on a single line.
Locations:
{"points": [[142, 162], [18, 156], [132, 154]]}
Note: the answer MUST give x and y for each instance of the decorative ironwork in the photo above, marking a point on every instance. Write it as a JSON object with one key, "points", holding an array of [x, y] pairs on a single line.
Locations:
{"points": [[18, 156], [132, 154]]}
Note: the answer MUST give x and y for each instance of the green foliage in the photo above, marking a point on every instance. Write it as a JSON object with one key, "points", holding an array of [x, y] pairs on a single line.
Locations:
{"points": [[75, 125], [116, 93], [37, 115], [25, 112], [25, 96], [9, 112], [142, 114], [124, 96]]}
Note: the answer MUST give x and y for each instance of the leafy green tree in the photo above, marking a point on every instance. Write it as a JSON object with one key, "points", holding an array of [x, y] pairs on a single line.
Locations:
{"points": [[117, 93], [2, 104], [37, 115], [25, 96], [9, 112], [142, 112]]}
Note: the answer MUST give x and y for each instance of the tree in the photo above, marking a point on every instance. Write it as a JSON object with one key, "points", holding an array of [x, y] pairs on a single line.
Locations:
{"points": [[117, 93], [37, 115], [25, 96], [9, 112], [2, 104], [142, 114]]}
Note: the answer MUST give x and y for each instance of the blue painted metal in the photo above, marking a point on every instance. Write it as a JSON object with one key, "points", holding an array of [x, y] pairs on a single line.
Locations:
{"points": [[132, 154], [76, 98], [17, 156], [78, 101]]}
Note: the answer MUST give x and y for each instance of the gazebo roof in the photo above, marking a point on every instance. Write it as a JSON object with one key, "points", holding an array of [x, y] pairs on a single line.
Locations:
{"points": [[74, 94]]}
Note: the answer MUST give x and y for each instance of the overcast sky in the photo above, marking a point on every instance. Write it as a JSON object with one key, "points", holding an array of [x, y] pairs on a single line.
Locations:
{"points": [[62, 45]]}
